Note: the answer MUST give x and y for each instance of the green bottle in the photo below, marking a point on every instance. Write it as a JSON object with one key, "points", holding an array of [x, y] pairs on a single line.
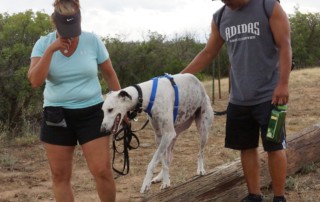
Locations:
{"points": [[276, 123]]}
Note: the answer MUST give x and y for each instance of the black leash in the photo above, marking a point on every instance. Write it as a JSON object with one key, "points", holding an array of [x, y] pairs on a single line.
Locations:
{"points": [[127, 137], [220, 113]]}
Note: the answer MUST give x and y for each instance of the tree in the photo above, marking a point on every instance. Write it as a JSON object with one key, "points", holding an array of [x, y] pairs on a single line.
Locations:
{"points": [[305, 38], [18, 33], [135, 62]]}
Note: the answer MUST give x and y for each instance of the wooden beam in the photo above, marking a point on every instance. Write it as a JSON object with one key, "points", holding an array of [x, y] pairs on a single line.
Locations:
{"points": [[227, 183]]}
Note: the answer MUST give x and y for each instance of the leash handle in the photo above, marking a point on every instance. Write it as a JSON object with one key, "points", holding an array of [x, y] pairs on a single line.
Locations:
{"points": [[126, 163]]}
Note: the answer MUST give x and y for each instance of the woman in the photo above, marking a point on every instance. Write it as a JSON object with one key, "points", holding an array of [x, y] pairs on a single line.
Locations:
{"points": [[67, 60]]}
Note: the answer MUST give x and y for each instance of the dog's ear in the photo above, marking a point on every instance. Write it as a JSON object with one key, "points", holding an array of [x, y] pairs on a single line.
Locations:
{"points": [[123, 94]]}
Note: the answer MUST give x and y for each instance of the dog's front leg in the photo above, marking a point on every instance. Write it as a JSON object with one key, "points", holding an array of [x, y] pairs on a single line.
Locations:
{"points": [[159, 177], [166, 162], [158, 155], [148, 178], [165, 172]]}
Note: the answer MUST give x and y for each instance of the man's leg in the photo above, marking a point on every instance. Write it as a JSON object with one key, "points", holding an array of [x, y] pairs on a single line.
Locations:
{"points": [[242, 133], [278, 171], [251, 169]]}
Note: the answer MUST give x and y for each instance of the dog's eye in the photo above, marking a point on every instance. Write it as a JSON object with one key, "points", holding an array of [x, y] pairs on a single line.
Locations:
{"points": [[110, 110]]}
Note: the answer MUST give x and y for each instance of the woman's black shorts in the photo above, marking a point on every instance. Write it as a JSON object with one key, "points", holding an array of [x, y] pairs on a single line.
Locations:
{"points": [[67, 127], [244, 125]]}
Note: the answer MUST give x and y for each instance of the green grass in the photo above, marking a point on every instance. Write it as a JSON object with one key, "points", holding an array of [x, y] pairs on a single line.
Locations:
{"points": [[7, 160]]}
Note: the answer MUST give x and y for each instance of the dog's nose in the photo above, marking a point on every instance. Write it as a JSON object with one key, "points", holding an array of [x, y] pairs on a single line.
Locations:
{"points": [[104, 130]]}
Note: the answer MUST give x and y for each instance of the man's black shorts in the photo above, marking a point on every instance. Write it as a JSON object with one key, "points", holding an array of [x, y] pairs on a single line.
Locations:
{"points": [[244, 125], [81, 125]]}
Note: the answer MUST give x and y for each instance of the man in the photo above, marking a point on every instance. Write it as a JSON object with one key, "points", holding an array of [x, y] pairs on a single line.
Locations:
{"points": [[257, 35]]}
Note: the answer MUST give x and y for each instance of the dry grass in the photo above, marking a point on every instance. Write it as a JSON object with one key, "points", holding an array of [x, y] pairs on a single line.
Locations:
{"points": [[24, 172]]}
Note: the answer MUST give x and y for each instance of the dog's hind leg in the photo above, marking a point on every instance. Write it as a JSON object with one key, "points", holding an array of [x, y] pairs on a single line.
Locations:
{"points": [[162, 148], [204, 120]]}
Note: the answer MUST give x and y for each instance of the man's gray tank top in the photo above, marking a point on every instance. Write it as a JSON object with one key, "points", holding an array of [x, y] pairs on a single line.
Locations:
{"points": [[252, 52]]}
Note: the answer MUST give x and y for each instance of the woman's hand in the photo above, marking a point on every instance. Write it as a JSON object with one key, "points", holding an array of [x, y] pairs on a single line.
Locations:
{"points": [[61, 44]]}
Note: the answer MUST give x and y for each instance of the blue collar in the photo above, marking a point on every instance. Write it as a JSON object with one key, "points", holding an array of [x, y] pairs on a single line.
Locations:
{"points": [[154, 91]]}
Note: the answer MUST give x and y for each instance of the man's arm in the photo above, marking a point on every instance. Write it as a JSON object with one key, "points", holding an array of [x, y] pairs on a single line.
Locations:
{"points": [[207, 54], [280, 28]]}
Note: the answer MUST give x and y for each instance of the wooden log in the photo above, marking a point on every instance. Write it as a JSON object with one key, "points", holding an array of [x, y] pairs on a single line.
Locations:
{"points": [[227, 183], [304, 148]]}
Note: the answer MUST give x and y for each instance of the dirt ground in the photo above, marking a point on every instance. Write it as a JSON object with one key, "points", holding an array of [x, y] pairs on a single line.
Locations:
{"points": [[25, 176]]}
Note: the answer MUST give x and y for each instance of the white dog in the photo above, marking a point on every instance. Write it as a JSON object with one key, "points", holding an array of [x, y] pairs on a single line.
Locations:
{"points": [[194, 104]]}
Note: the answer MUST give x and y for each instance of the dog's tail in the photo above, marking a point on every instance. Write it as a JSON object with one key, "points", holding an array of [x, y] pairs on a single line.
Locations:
{"points": [[220, 113]]}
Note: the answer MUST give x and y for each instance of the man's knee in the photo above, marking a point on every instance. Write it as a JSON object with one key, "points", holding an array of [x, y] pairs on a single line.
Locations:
{"points": [[277, 155]]}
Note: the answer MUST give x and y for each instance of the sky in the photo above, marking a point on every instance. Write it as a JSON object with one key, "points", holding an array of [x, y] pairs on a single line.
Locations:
{"points": [[131, 20]]}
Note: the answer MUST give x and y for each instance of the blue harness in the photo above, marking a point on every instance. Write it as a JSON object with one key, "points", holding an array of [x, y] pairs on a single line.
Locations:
{"points": [[154, 91]]}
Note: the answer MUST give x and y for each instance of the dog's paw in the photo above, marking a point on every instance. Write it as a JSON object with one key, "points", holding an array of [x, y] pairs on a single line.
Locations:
{"points": [[157, 179], [201, 172], [165, 185], [144, 189]]}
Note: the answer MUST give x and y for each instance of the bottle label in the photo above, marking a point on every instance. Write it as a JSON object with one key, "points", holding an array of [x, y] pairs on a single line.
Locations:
{"points": [[276, 124]]}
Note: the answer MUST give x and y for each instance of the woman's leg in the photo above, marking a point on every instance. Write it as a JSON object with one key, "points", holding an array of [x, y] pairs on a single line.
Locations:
{"points": [[97, 154], [60, 161]]}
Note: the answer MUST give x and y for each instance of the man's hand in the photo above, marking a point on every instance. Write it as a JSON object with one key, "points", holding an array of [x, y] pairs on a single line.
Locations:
{"points": [[280, 95]]}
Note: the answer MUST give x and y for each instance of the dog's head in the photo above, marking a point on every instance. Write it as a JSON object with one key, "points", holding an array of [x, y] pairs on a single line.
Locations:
{"points": [[115, 107]]}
